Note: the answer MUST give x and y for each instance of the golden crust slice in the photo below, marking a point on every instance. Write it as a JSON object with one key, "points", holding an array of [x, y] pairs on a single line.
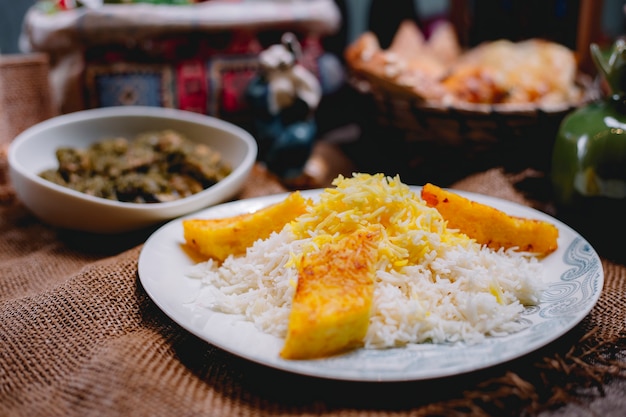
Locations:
{"points": [[218, 238], [334, 295], [408, 41], [363, 51], [443, 43], [406, 68], [438, 70], [530, 71], [490, 226]]}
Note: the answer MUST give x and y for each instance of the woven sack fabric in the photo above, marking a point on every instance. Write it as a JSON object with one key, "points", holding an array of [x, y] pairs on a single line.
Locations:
{"points": [[79, 337], [25, 93]]}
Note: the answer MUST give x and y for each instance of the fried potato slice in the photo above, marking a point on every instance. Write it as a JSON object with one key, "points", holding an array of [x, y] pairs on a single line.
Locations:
{"points": [[490, 226], [218, 238], [333, 299]]}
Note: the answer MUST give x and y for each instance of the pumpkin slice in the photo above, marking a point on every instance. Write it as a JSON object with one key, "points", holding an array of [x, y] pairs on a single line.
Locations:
{"points": [[490, 226], [218, 238], [333, 299]]}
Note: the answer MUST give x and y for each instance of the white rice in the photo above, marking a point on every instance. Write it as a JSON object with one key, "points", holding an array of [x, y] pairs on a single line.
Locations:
{"points": [[459, 291]]}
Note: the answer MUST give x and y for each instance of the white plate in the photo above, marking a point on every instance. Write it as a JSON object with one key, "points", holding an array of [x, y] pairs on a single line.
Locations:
{"points": [[574, 272]]}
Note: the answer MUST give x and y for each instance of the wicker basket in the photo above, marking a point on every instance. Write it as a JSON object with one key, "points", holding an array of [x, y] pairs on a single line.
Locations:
{"points": [[429, 142]]}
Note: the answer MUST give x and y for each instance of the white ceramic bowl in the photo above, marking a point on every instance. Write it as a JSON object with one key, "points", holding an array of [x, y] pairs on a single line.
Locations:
{"points": [[33, 151]]}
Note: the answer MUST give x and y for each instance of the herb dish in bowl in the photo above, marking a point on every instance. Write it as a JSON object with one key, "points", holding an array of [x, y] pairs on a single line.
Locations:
{"points": [[36, 150]]}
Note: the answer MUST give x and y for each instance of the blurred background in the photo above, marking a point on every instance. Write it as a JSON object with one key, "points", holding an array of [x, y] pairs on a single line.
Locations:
{"points": [[357, 16], [95, 68]]}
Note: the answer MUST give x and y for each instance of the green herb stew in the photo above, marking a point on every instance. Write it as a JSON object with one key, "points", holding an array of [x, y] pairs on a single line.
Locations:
{"points": [[153, 167]]}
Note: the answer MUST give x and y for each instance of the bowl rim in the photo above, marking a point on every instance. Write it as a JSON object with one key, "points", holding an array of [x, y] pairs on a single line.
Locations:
{"points": [[133, 112]]}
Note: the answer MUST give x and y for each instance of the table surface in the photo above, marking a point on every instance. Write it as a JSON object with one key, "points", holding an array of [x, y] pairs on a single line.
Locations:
{"points": [[80, 336]]}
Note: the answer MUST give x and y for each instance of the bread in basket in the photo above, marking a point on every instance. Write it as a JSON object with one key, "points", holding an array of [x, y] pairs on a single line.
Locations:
{"points": [[497, 104]]}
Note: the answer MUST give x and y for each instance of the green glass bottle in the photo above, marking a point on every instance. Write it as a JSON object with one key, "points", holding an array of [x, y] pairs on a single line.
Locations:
{"points": [[589, 161]]}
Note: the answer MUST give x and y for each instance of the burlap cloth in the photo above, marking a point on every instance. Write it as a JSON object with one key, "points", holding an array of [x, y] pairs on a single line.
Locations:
{"points": [[25, 94], [80, 337]]}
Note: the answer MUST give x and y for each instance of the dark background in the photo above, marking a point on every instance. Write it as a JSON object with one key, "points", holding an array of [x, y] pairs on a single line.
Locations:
{"points": [[356, 20]]}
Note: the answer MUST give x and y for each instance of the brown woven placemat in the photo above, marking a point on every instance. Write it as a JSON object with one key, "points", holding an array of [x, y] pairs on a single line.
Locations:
{"points": [[80, 337]]}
